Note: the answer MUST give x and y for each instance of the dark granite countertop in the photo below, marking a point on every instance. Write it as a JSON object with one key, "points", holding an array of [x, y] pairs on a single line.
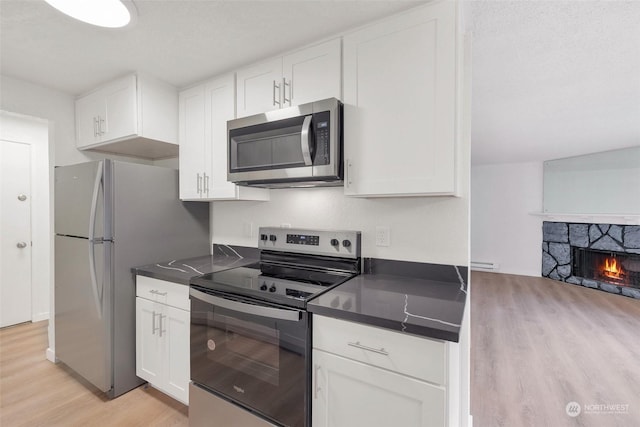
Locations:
{"points": [[421, 299], [182, 270]]}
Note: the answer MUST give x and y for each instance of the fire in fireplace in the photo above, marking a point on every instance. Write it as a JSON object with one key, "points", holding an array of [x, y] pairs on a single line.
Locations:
{"points": [[621, 269]]}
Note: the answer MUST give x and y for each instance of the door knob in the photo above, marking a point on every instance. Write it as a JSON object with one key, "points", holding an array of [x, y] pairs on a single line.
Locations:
{"points": [[22, 197], [21, 245]]}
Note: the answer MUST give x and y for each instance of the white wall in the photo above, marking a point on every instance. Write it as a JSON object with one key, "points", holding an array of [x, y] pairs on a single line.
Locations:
{"points": [[423, 229], [502, 230]]}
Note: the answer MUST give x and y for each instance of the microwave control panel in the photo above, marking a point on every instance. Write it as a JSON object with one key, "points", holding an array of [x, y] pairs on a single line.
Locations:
{"points": [[322, 135]]}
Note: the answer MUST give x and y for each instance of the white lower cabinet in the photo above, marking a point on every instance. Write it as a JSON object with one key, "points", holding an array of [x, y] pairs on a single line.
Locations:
{"points": [[348, 393], [162, 336], [368, 376]]}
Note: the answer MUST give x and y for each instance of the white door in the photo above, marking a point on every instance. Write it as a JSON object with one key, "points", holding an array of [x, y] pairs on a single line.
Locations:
{"points": [[15, 228], [347, 393]]}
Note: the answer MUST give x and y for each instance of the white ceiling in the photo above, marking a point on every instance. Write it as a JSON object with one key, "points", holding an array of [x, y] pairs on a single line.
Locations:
{"points": [[553, 79], [550, 78]]}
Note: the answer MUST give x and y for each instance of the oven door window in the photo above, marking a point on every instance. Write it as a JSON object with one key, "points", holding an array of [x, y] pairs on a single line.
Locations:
{"points": [[256, 361]]}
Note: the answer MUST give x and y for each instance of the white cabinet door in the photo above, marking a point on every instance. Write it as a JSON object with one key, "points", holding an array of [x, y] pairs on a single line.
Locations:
{"points": [[148, 343], [121, 109], [175, 340], [258, 88], [347, 393], [313, 74], [88, 111], [219, 108], [191, 104], [400, 104]]}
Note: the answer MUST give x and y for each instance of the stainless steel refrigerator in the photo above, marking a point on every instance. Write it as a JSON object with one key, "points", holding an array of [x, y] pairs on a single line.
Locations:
{"points": [[111, 216]]}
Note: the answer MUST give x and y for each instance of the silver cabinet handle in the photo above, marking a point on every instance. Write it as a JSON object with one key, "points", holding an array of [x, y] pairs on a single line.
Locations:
{"points": [[157, 292], [100, 123], [21, 245], [364, 347], [284, 91], [347, 173], [198, 186], [316, 387], [160, 316], [95, 127], [205, 183], [305, 141], [153, 322], [276, 87], [22, 197]]}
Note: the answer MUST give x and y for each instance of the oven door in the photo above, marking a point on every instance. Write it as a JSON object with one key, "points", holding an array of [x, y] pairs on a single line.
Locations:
{"points": [[252, 353]]}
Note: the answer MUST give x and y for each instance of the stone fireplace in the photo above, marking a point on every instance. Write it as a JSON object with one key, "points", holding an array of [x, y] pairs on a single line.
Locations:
{"points": [[602, 256]]}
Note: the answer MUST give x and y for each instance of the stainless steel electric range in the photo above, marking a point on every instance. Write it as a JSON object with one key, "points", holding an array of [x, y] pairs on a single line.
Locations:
{"points": [[250, 332]]}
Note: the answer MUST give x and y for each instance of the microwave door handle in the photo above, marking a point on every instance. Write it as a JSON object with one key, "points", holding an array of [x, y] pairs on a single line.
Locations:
{"points": [[305, 141], [258, 310]]}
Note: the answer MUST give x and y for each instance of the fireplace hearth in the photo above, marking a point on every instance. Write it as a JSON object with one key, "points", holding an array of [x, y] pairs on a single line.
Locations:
{"points": [[602, 256]]}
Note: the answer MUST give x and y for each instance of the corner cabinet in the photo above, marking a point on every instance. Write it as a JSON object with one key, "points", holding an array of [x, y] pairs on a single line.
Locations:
{"points": [[400, 95], [363, 375], [203, 114], [307, 75], [162, 336], [135, 116]]}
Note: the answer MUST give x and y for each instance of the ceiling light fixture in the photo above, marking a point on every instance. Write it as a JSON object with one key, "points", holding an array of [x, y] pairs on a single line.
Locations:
{"points": [[103, 13]]}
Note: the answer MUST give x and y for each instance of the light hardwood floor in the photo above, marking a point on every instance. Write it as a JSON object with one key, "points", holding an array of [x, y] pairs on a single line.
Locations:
{"points": [[36, 392], [538, 344]]}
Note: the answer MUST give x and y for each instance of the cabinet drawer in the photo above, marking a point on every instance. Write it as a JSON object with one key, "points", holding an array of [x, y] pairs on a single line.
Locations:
{"points": [[169, 293], [421, 358]]}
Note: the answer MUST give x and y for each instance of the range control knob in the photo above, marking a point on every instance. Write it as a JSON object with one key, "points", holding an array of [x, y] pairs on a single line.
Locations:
{"points": [[264, 237], [346, 243], [263, 287], [272, 288], [272, 237], [334, 242]]}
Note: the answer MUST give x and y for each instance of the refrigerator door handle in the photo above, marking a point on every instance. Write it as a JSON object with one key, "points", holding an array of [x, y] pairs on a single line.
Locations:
{"points": [[92, 255]]}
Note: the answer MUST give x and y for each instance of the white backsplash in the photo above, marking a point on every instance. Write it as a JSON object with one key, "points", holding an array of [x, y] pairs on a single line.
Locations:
{"points": [[423, 229]]}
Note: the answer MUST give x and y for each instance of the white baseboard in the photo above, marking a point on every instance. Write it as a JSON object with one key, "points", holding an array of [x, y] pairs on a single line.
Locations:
{"points": [[51, 356], [40, 317]]}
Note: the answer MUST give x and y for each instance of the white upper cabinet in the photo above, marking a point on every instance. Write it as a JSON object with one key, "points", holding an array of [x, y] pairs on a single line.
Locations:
{"points": [[400, 88], [259, 88], [204, 112], [312, 74], [306, 75], [133, 116], [192, 142]]}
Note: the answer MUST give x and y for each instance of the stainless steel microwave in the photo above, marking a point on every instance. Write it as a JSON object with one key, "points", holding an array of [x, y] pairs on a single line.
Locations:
{"points": [[293, 147]]}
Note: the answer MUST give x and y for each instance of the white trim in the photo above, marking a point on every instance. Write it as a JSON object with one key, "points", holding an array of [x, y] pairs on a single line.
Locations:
{"points": [[51, 356], [39, 317], [623, 219]]}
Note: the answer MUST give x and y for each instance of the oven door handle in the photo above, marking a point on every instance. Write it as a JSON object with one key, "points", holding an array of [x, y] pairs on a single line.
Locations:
{"points": [[258, 310]]}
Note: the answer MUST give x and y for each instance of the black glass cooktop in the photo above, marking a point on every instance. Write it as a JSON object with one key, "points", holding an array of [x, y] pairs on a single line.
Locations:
{"points": [[276, 283]]}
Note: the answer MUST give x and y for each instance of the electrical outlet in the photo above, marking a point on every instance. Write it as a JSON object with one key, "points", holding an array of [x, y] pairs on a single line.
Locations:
{"points": [[247, 229], [383, 236]]}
